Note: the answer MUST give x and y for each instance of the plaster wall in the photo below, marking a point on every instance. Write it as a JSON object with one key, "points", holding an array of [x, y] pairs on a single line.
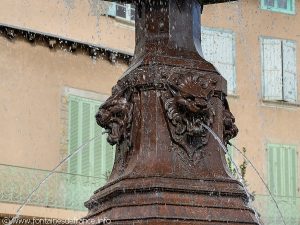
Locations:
{"points": [[259, 122], [33, 80]]}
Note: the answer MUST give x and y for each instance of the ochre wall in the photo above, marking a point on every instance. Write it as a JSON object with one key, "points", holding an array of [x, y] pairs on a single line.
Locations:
{"points": [[259, 122], [33, 79]]}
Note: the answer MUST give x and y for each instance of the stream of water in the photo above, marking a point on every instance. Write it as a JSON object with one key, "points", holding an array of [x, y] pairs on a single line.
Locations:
{"points": [[240, 178], [216, 137], [38, 186], [18, 212]]}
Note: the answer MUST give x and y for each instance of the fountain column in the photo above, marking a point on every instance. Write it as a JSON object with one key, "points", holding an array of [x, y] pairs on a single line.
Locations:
{"points": [[168, 168]]}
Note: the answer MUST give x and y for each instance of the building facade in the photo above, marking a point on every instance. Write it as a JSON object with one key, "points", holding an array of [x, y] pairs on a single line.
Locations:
{"points": [[59, 60]]}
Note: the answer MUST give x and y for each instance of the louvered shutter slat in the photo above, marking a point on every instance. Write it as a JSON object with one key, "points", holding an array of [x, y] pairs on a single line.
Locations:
{"points": [[279, 165], [85, 153], [287, 171], [271, 167], [293, 176], [97, 148], [73, 134]]}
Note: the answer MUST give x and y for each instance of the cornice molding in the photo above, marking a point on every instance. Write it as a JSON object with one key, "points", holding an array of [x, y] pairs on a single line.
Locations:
{"points": [[56, 42]]}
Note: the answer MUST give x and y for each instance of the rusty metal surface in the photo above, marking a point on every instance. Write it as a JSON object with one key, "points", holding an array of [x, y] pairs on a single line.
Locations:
{"points": [[168, 169]]}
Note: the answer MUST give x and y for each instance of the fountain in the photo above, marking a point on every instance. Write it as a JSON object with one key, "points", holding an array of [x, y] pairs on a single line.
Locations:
{"points": [[168, 167]]}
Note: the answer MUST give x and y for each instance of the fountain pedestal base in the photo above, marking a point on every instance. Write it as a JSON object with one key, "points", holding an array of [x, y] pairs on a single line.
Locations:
{"points": [[171, 201]]}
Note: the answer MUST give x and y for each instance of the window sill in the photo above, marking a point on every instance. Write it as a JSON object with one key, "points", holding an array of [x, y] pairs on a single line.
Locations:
{"points": [[280, 104], [123, 21], [233, 95]]}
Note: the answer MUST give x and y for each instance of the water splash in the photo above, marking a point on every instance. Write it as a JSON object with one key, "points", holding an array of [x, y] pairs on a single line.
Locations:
{"points": [[236, 168], [18, 212]]}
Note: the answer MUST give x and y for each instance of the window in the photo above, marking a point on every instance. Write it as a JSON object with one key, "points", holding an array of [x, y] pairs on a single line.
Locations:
{"points": [[96, 159], [123, 11], [279, 70], [284, 6], [282, 180], [218, 47]]}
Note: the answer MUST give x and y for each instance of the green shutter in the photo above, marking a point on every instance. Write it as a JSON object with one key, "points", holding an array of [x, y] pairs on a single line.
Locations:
{"points": [[97, 157], [282, 179]]}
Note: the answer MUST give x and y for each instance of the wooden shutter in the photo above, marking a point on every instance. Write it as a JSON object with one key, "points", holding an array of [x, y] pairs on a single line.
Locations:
{"points": [[282, 178], [96, 158], [272, 69], [219, 48], [289, 71], [282, 170], [291, 171]]}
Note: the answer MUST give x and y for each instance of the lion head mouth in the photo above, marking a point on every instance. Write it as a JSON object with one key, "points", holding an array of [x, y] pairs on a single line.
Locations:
{"points": [[113, 133]]}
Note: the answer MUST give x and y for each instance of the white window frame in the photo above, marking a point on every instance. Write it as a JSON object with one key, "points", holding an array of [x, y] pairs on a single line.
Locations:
{"points": [[291, 5], [112, 11]]}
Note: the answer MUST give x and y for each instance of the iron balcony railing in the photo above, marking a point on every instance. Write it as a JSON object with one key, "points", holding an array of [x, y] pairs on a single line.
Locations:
{"points": [[270, 215], [61, 190]]}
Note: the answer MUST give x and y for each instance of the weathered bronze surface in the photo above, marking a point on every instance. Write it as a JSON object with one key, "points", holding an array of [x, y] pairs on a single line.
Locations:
{"points": [[168, 168]]}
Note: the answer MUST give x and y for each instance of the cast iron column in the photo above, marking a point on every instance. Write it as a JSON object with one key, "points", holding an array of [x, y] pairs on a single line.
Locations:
{"points": [[168, 168]]}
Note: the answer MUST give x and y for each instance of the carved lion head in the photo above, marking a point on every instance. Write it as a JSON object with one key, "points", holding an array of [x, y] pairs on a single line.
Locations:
{"points": [[115, 116]]}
